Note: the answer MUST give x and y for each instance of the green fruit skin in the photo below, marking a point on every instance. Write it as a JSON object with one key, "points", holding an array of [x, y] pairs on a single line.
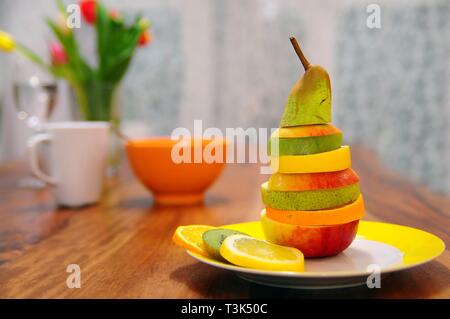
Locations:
{"points": [[310, 200], [306, 145], [310, 99], [213, 239]]}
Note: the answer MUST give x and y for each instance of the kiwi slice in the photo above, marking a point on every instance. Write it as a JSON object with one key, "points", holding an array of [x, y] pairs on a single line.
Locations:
{"points": [[213, 239], [306, 145]]}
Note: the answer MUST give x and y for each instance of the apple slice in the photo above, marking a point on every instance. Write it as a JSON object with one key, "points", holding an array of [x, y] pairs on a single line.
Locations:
{"points": [[312, 181], [305, 131], [312, 241]]}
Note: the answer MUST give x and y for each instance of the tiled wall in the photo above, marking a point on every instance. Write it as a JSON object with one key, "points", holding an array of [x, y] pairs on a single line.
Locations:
{"points": [[230, 63], [392, 87]]}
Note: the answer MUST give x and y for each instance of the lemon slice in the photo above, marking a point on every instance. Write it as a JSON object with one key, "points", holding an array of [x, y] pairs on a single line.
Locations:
{"points": [[190, 237], [330, 161], [250, 252]]}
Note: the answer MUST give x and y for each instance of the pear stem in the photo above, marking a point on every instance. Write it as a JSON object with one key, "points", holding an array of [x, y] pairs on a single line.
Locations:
{"points": [[300, 54]]}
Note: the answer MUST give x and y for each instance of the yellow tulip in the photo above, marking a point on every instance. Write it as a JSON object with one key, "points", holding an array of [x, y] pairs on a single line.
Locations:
{"points": [[7, 42], [143, 24], [62, 24]]}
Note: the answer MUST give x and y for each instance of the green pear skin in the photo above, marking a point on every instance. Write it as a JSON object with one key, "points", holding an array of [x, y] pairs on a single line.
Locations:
{"points": [[310, 200], [310, 99], [305, 145]]}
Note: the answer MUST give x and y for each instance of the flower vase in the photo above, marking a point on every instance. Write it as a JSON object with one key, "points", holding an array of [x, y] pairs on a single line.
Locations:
{"points": [[99, 101]]}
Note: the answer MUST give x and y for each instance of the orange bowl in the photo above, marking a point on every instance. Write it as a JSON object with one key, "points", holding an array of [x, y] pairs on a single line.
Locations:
{"points": [[174, 183]]}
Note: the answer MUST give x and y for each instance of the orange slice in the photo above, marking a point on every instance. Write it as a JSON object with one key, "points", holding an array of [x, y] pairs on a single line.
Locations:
{"points": [[336, 216], [190, 238]]}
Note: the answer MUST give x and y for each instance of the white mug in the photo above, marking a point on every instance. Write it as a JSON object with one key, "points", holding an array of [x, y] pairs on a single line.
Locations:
{"points": [[77, 154]]}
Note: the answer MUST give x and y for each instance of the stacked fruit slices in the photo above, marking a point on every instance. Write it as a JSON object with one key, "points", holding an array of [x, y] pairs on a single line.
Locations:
{"points": [[313, 201]]}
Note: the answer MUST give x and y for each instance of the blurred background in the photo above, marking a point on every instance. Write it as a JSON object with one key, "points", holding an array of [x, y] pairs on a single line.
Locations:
{"points": [[230, 63]]}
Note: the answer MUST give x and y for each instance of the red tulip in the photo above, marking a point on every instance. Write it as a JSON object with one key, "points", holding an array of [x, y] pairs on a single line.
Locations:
{"points": [[88, 10], [58, 54], [145, 38]]}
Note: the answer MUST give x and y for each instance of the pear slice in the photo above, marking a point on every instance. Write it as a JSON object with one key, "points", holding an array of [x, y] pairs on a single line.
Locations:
{"points": [[310, 99]]}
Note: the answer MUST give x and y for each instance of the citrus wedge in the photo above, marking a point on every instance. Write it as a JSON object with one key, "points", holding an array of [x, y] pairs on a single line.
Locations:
{"points": [[333, 216], [250, 252], [331, 161], [190, 237]]}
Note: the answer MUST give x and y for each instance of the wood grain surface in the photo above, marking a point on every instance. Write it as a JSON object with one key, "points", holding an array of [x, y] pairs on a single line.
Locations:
{"points": [[124, 246]]}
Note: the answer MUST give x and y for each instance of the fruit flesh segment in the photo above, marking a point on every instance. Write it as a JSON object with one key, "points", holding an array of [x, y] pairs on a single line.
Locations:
{"points": [[254, 253], [312, 241], [332, 161], [249, 246], [190, 237], [213, 239], [312, 181], [305, 131], [310, 200], [304, 145], [334, 216]]}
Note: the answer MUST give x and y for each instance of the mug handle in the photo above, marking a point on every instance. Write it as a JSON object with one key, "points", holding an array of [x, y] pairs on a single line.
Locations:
{"points": [[33, 143]]}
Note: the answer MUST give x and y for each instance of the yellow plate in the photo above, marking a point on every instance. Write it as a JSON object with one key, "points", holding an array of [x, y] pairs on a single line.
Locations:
{"points": [[387, 246], [332, 161]]}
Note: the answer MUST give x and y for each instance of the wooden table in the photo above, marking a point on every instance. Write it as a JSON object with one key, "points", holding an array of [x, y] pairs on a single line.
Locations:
{"points": [[124, 246]]}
